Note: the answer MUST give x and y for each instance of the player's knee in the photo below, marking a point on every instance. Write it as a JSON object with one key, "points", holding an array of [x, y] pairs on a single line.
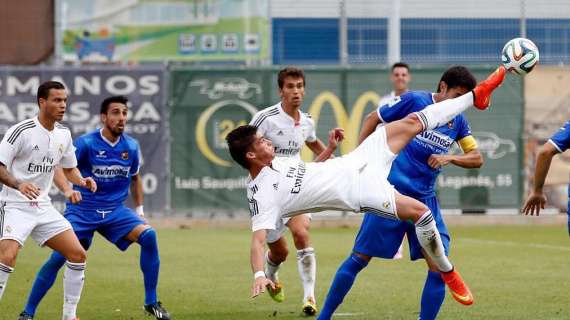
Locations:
{"points": [[280, 255], [77, 256], [8, 252], [148, 238]]}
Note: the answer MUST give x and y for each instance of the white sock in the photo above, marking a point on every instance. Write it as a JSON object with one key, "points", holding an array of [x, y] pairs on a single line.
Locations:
{"points": [[73, 277], [307, 265], [4, 275], [438, 114], [430, 240], [271, 268]]}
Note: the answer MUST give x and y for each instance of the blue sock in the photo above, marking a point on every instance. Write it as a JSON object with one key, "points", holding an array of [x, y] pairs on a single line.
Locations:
{"points": [[432, 296], [150, 264], [342, 283], [569, 222], [44, 281]]}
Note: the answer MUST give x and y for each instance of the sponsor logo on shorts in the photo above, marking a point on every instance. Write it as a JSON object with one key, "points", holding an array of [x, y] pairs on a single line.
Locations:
{"points": [[8, 229], [386, 204]]}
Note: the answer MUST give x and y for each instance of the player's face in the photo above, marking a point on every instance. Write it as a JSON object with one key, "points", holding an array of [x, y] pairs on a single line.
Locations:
{"points": [[116, 118], [400, 78], [262, 150], [55, 104], [455, 92], [293, 92]]}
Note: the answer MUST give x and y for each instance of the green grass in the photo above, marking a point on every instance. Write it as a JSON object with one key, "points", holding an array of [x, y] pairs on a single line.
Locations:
{"points": [[515, 272]]}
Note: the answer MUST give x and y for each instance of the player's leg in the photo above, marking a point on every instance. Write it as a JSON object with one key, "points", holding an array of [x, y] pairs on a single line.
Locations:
{"points": [[306, 260], [430, 240], [8, 252], [124, 227], [84, 230], [400, 132], [67, 244], [16, 224], [433, 293], [342, 283], [274, 257]]}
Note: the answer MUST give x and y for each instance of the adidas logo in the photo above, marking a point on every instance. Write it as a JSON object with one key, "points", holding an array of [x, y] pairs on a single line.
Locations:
{"points": [[280, 133], [36, 148]]}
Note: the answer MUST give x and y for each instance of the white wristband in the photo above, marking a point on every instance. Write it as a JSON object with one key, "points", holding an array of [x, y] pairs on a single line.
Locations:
{"points": [[140, 211], [259, 274]]}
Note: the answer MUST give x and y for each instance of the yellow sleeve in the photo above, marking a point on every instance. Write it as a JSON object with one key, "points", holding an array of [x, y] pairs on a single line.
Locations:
{"points": [[468, 144]]}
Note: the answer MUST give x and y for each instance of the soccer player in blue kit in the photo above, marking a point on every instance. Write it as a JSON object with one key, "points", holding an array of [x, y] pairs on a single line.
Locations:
{"points": [[112, 158], [558, 143], [413, 173]]}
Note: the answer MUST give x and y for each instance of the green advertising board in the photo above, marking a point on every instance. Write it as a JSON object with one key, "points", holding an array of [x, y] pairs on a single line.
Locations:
{"points": [[208, 103]]}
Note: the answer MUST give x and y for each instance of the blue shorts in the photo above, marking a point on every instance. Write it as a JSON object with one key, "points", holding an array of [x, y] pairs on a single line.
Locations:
{"points": [[381, 237], [113, 224]]}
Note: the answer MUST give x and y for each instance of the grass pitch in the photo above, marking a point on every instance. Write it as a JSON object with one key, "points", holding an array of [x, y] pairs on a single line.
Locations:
{"points": [[515, 272]]}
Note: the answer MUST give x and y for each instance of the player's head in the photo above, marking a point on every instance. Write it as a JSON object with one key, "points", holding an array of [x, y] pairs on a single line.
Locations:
{"points": [[52, 100], [247, 146], [114, 113], [291, 83], [456, 81], [400, 76]]}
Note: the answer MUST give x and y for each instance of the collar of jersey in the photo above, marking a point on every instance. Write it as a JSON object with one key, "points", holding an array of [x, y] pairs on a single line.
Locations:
{"points": [[39, 125], [288, 116], [112, 144]]}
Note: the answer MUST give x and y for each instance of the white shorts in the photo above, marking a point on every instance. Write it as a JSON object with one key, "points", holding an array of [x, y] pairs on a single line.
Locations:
{"points": [[41, 221], [375, 159], [277, 233]]}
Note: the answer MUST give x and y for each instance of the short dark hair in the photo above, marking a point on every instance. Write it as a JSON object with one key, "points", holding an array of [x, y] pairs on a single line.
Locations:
{"points": [[113, 99], [400, 65], [239, 141], [44, 88], [458, 76], [290, 72]]}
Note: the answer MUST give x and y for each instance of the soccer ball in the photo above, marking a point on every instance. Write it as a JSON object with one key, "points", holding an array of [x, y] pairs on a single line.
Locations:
{"points": [[520, 55]]}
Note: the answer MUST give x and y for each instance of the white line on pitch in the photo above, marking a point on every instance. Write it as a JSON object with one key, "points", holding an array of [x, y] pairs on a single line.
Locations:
{"points": [[516, 244], [348, 314]]}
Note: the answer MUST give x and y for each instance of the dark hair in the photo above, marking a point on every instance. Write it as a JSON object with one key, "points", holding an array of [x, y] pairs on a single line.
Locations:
{"points": [[43, 90], [239, 141], [113, 99], [290, 72], [400, 65], [458, 76]]}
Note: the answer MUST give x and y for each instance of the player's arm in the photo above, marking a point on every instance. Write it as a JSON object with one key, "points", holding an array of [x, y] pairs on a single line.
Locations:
{"points": [[29, 190], [370, 123], [137, 194], [74, 176], [316, 146], [258, 239], [536, 200], [62, 184], [336, 135], [469, 159]]}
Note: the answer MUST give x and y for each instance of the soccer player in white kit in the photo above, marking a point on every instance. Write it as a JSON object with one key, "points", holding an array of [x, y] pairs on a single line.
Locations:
{"points": [[283, 188], [289, 130], [29, 154]]}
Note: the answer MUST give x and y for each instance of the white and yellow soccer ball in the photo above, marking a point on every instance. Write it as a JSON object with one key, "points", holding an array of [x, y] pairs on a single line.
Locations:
{"points": [[520, 56]]}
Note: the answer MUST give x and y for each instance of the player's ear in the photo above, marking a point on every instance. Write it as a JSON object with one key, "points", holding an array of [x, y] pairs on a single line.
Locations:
{"points": [[250, 155], [103, 117], [442, 87]]}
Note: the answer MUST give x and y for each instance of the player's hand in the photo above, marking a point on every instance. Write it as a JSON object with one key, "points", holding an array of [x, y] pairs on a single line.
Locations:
{"points": [[73, 196], [89, 183], [29, 190], [534, 203], [437, 161], [336, 135], [259, 285]]}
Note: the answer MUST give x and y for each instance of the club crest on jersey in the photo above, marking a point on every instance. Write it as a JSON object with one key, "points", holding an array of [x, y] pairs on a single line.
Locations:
{"points": [[125, 155], [450, 124], [60, 148]]}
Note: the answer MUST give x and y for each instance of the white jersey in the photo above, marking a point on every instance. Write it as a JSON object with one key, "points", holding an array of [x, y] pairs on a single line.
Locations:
{"points": [[287, 136], [291, 187], [31, 153]]}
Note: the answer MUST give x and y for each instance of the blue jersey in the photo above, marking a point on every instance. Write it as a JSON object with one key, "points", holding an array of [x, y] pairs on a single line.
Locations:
{"points": [[111, 165], [410, 173], [561, 141]]}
